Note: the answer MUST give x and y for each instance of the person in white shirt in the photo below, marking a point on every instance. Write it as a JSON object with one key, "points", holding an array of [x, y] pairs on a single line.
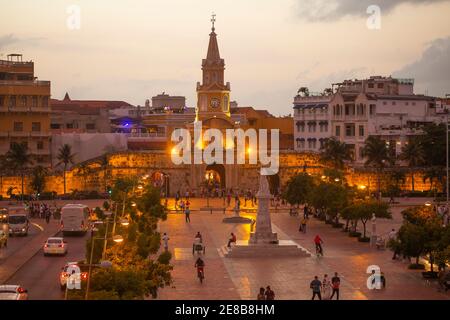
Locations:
{"points": [[165, 238]]}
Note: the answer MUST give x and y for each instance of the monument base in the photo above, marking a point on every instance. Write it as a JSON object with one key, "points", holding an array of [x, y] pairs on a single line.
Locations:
{"points": [[263, 238], [284, 249], [237, 219]]}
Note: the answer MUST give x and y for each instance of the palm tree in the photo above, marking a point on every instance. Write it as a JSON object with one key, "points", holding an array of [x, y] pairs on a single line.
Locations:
{"points": [[37, 182], [432, 174], [377, 154], [414, 154], [66, 157], [336, 152], [17, 159]]}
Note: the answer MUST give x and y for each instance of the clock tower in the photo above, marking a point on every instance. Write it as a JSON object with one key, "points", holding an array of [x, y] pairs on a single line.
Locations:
{"points": [[213, 95]]}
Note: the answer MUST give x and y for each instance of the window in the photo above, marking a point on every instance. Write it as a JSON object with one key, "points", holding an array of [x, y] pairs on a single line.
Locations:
{"points": [[40, 145], [36, 126], [18, 126], [361, 109], [373, 109], [34, 101], [350, 130], [361, 153], [349, 109], [361, 131], [301, 143], [371, 85], [23, 101], [55, 126], [69, 126], [338, 131], [45, 102], [90, 126], [380, 86], [2, 100], [12, 101]]}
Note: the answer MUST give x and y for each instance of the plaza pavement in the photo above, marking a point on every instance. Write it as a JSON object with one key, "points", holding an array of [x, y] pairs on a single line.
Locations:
{"points": [[241, 278]]}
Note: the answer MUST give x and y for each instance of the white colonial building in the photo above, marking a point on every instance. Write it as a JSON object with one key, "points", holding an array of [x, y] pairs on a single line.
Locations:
{"points": [[353, 110]]}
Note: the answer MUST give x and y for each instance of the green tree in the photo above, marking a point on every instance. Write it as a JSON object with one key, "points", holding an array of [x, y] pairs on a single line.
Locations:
{"points": [[104, 166], [364, 211], [65, 157], [414, 154], [299, 189], [434, 144], [331, 198], [377, 155], [434, 174], [38, 175], [18, 159], [335, 153]]}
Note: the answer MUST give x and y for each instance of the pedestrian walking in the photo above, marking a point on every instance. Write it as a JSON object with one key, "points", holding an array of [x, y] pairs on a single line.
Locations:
{"points": [[270, 295], [316, 285], [165, 238], [335, 284], [303, 223], [187, 214], [326, 287], [305, 211], [261, 294]]}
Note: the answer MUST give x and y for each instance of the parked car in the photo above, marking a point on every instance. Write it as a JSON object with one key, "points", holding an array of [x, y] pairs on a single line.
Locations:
{"points": [[13, 292], [55, 245]]}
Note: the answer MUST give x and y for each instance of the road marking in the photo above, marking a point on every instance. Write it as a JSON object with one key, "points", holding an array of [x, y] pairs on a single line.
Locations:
{"points": [[38, 226]]}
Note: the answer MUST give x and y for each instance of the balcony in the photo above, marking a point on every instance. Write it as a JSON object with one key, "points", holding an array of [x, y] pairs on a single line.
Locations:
{"points": [[25, 109], [146, 136], [39, 134], [33, 83]]}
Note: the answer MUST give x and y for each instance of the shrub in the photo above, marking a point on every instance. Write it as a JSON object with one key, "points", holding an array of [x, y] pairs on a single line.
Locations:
{"points": [[416, 266], [364, 239], [354, 234]]}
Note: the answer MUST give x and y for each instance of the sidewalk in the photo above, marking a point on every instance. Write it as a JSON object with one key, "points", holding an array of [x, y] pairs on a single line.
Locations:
{"points": [[17, 259]]}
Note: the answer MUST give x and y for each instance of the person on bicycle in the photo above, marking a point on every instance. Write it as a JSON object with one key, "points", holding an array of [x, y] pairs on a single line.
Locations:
{"points": [[318, 242], [200, 265], [198, 236]]}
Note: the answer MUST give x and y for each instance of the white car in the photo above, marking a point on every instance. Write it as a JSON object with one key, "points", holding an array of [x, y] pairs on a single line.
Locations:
{"points": [[65, 273], [55, 245], [13, 292]]}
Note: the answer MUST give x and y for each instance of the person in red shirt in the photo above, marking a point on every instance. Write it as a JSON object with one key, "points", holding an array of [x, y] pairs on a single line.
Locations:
{"points": [[318, 242], [232, 239]]}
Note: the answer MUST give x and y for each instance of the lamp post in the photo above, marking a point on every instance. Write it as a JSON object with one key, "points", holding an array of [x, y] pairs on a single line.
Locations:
{"points": [[117, 239], [446, 155]]}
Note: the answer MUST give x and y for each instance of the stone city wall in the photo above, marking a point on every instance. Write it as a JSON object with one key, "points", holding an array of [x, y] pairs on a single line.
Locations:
{"points": [[188, 177]]}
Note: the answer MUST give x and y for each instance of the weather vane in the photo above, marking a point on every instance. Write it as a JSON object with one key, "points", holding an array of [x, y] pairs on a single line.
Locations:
{"points": [[213, 19]]}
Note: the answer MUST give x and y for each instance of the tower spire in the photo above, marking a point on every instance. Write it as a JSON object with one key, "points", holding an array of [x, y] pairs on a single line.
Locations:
{"points": [[213, 19]]}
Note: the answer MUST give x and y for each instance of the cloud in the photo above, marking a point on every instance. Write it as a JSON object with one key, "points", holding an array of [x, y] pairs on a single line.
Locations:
{"points": [[432, 70], [330, 10], [7, 39]]}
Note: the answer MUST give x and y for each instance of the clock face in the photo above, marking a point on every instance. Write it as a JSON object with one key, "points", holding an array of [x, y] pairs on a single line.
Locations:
{"points": [[215, 103]]}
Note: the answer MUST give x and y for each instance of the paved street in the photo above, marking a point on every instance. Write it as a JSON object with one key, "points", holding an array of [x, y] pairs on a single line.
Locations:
{"points": [[40, 275], [288, 277], [241, 278]]}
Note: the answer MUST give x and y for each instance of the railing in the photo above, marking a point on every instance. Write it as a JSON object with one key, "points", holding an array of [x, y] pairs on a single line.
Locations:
{"points": [[24, 109], [146, 135], [36, 83], [23, 134], [13, 63]]}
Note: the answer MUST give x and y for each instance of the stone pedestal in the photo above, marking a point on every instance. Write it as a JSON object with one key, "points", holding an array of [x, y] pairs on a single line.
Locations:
{"points": [[237, 218], [263, 241]]}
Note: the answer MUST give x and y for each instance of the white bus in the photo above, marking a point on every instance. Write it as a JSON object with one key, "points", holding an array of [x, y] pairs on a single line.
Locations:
{"points": [[74, 219]]}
